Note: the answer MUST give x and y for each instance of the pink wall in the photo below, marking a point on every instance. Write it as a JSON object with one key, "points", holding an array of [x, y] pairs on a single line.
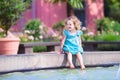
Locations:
{"points": [[23, 20], [48, 13], [94, 11]]}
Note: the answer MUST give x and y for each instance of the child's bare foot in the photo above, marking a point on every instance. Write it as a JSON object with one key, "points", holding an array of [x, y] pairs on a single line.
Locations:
{"points": [[83, 67], [72, 67]]}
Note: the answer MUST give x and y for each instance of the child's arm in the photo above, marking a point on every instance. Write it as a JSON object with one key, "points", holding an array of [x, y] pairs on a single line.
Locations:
{"points": [[62, 43]]}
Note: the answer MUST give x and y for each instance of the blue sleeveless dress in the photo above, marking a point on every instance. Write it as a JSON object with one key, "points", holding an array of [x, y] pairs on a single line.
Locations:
{"points": [[72, 42]]}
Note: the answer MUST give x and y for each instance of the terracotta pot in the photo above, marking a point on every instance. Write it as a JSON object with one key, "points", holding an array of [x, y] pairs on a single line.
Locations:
{"points": [[9, 46]]}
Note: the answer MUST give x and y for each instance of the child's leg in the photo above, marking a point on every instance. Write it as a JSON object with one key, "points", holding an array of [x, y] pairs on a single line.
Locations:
{"points": [[80, 60], [69, 58]]}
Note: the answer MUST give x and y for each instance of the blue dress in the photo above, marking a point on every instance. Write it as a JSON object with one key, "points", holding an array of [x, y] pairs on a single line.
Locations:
{"points": [[72, 42]]}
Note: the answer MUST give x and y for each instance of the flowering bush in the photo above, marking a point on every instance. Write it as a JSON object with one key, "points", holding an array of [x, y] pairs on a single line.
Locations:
{"points": [[33, 31], [107, 36], [88, 36], [107, 30]]}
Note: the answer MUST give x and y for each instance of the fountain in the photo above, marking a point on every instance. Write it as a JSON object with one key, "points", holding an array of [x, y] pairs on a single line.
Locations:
{"points": [[44, 65], [94, 73], [118, 74]]}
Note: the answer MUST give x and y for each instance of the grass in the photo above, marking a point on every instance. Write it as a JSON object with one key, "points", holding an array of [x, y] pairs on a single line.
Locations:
{"points": [[39, 49]]}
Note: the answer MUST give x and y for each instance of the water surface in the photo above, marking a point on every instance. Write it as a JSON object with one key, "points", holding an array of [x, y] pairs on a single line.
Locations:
{"points": [[97, 73]]}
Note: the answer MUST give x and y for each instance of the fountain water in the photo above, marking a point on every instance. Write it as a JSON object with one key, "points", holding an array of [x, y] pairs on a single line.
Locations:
{"points": [[94, 73], [118, 74]]}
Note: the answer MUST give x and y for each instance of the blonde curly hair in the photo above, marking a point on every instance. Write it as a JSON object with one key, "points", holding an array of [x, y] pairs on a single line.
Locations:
{"points": [[76, 22]]}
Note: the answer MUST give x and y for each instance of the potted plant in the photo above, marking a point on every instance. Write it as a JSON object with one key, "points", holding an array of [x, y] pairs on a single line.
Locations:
{"points": [[10, 11]]}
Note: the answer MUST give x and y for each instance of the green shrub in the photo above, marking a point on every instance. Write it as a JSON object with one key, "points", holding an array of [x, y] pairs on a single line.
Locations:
{"points": [[115, 10], [39, 49], [116, 26], [109, 30], [59, 27], [33, 30], [86, 37], [107, 36], [104, 24], [112, 9]]}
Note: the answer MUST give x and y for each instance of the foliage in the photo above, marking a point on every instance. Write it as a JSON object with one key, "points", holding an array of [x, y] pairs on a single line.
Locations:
{"points": [[107, 30], [115, 11], [1, 34], [39, 48], [107, 24], [116, 26], [74, 3], [103, 24], [33, 30], [86, 37], [59, 27], [10, 11], [23, 39], [107, 36], [112, 9], [71, 4]]}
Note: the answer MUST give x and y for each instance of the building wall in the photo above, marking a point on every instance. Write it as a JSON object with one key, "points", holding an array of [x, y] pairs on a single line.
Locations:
{"points": [[94, 11], [49, 14]]}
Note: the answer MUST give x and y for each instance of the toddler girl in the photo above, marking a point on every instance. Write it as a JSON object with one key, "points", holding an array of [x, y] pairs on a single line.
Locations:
{"points": [[71, 41]]}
